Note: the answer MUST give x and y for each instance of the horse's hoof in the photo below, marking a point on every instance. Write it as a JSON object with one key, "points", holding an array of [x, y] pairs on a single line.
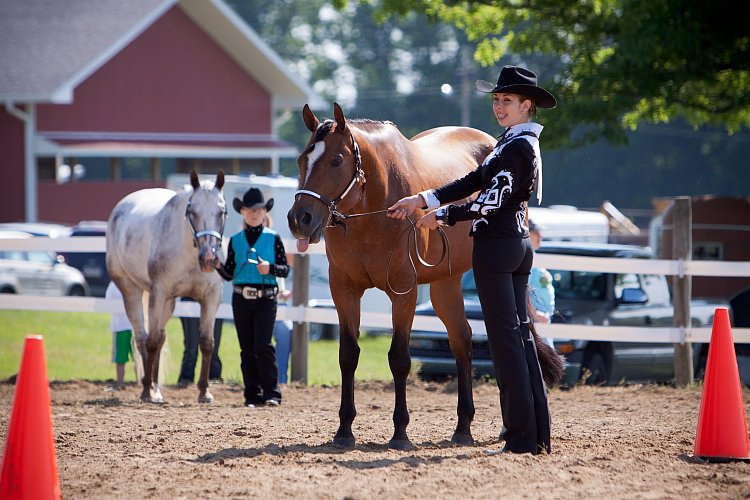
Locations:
{"points": [[206, 398], [344, 442], [152, 400], [400, 444], [462, 439]]}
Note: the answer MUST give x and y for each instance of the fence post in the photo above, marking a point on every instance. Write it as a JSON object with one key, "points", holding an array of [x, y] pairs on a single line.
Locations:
{"points": [[300, 333], [682, 249]]}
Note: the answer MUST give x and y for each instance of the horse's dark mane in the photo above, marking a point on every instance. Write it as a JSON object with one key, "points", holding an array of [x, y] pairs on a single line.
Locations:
{"points": [[364, 124]]}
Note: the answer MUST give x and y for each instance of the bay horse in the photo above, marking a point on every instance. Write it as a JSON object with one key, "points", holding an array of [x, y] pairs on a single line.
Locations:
{"points": [[167, 244], [360, 167]]}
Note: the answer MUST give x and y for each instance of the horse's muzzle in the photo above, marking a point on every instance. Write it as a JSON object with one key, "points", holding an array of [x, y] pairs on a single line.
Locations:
{"points": [[305, 224], [209, 258]]}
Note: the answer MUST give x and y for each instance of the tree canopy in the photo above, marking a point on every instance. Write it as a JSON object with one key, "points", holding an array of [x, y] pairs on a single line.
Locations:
{"points": [[613, 63], [417, 69]]}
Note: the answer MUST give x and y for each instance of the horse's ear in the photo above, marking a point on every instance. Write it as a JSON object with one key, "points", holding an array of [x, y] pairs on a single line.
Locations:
{"points": [[194, 179], [219, 180], [339, 116], [311, 121]]}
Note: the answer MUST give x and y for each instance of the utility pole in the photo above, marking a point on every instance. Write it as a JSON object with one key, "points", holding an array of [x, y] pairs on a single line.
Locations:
{"points": [[466, 88]]}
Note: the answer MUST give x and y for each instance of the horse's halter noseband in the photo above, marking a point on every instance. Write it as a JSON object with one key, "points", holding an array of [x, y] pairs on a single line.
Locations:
{"points": [[334, 216], [205, 232]]}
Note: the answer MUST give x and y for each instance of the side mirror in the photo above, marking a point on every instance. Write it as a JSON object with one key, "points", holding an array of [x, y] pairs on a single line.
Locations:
{"points": [[633, 296]]}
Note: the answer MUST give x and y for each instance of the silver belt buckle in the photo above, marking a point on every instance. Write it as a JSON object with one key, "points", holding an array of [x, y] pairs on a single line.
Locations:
{"points": [[249, 293]]}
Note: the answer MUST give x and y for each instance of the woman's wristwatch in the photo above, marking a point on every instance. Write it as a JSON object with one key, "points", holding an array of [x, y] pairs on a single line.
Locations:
{"points": [[441, 215]]}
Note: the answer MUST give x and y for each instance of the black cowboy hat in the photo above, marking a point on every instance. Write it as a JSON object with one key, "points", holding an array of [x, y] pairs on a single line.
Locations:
{"points": [[518, 80], [253, 198]]}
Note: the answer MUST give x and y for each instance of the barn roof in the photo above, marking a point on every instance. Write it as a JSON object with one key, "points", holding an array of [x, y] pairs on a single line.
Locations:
{"points": [[49, 47]]}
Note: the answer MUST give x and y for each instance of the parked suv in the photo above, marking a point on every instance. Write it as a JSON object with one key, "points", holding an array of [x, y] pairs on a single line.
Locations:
{"points": [[93, 265], [37, 272], [588, 298]]}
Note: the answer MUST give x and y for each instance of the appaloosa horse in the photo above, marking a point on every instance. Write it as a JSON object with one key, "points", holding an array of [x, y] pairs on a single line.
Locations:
{"points": [[361, 167], [166, 244]]}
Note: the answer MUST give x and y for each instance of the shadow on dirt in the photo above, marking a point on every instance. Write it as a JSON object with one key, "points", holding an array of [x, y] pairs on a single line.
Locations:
{"points": [[336, 452]]}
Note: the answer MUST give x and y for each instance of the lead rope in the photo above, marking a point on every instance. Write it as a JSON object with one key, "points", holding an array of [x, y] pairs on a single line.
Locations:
{"points": [[412, 236], [412, 232]]}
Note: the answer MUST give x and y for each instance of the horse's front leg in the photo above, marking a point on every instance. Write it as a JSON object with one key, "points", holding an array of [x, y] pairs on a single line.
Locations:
{"points": [[348, 308], [208, 316], [400, 363], [160, 309]]}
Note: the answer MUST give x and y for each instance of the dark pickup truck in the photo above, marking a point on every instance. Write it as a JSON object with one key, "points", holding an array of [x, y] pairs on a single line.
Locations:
{"points": [[588, 298]]}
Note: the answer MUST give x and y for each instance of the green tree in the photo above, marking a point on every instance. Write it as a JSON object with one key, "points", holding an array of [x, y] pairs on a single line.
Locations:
{"points": [[614, 63]]}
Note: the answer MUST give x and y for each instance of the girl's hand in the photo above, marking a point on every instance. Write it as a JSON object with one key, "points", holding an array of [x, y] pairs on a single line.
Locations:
{"points": [[405, 207], [429, 221], [263, 266]]}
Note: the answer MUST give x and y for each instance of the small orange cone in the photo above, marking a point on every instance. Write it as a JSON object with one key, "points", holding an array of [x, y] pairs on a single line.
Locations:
{"points": [[29, 463], [722, 427]]}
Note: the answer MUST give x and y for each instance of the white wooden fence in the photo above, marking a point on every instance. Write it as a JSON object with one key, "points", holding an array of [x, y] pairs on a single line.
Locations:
{"points": [[302, 314]]}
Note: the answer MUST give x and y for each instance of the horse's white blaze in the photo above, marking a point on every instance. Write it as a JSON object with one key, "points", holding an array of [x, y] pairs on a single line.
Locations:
{"points": [[313, 156]]}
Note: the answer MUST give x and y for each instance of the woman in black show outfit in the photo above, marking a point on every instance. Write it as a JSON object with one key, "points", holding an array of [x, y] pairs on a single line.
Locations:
{"points": [[502, 255], [256, 257]]}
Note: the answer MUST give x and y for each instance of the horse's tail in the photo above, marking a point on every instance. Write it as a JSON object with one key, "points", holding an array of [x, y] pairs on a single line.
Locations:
{"points": [[551, 362]]}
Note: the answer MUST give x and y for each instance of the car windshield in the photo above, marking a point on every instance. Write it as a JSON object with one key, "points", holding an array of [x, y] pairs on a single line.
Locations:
{"points": [[19, 255], [579, 285]]}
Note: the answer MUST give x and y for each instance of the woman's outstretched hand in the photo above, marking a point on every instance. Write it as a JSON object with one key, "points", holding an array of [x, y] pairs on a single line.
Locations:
{"points": [[429, 221], [405, 207]]}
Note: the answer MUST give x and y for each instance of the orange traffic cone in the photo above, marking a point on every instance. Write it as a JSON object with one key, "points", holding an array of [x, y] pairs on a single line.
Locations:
{"points": [[29, 464], [722, 428]]}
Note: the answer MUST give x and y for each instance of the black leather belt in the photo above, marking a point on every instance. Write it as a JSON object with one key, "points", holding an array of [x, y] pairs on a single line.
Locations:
{"points": [[252, 292]]}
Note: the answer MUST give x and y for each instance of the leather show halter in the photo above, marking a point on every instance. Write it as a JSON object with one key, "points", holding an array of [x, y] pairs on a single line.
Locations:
{"points": [[205, 232], [334, 216]]}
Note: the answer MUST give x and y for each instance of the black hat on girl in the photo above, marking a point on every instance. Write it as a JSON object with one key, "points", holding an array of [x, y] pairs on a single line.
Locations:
{"points": [[518, 80], [253, 198]]}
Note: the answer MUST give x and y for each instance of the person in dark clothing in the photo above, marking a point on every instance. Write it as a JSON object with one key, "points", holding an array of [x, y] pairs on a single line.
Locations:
{"points": [[502, 256], [256, 257], [192, 334]]}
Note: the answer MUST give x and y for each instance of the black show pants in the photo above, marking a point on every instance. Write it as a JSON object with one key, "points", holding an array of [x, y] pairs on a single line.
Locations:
{"points": [[254, 319], [501, 271]]}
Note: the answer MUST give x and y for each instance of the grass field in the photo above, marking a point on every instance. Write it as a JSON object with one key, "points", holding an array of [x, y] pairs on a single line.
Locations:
{"points": [[78, 347]]}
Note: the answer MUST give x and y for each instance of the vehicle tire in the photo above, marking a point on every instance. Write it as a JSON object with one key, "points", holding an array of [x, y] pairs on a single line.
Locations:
{"points": [[434, 377], [76, 291], [594, 370], [7, 289]]}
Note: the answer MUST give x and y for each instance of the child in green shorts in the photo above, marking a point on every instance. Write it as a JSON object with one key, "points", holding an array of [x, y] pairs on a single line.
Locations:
{"points": [[122, 333]]}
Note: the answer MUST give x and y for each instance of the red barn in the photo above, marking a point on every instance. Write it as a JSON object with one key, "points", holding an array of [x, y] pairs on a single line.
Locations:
{"points": [[721, 232], [104, 97]]}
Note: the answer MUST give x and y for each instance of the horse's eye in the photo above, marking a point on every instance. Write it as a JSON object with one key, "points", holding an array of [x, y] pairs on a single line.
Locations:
{"points": [[338, 161]]}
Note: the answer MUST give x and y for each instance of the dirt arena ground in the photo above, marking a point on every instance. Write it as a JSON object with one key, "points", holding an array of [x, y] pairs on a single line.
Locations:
{"points": [[619, 442]]}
